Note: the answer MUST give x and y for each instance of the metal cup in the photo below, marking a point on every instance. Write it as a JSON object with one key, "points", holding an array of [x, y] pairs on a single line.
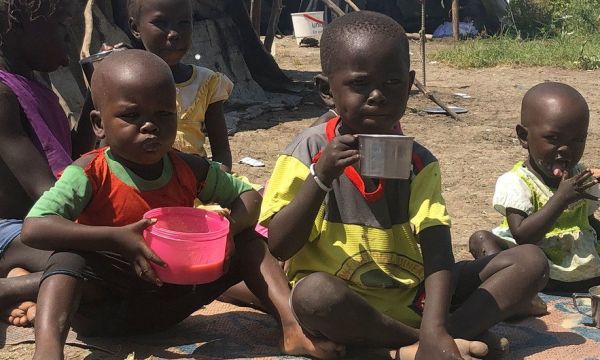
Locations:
{"points": [[594, 295], [87, 63], [385, 156]]}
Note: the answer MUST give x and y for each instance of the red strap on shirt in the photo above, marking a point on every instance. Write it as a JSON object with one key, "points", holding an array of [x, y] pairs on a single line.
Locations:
{"points": [[350, 171]]}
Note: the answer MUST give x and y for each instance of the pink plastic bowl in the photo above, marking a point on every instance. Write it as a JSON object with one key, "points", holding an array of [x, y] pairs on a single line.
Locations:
{"points": [[191, 241]]}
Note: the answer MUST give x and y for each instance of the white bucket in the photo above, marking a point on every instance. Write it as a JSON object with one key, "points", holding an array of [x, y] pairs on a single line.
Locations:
{"points": [[308, 24]]}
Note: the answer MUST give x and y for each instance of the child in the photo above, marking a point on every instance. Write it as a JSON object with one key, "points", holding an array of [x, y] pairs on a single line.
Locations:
{"points": [[549, 199], [353, 242], [107, 191], [36, 141], [164, 27]]}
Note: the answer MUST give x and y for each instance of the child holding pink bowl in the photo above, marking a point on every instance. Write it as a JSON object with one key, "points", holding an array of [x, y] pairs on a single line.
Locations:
{"points": [[99, 279]]}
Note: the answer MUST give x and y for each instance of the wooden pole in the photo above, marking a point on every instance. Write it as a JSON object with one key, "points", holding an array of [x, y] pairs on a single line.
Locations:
{"points": [[255, 12], [352, 5], [432, 97], [423, 40], [89, 28], [336, 9], [273, 21], [455, 31]]}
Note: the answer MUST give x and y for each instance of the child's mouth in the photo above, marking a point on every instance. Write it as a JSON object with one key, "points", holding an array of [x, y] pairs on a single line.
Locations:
{"points": [[559, 167]]}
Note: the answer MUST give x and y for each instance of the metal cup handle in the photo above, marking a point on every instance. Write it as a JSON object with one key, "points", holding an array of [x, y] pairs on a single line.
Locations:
{"points": [[579, 296]]}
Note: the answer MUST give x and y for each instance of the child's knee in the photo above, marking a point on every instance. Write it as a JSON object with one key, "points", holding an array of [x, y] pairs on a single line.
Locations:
{"points": [[65, 263], [478, 240], [532, 260], [536, 258], [483, 243], [317, 295]]}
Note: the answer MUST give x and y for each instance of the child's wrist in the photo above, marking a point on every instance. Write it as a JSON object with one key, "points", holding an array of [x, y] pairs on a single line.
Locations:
{"points": [[317, 171], [317, 179]]}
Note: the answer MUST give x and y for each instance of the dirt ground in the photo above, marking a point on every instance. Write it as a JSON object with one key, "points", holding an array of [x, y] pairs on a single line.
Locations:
{"points": [[472, 152]]}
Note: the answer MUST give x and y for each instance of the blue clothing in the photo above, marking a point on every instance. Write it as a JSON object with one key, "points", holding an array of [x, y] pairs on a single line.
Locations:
{"points": [[9, 230]]}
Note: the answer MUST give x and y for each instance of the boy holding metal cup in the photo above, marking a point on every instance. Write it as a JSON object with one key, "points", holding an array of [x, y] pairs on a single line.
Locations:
{"points": [[363, 252]]}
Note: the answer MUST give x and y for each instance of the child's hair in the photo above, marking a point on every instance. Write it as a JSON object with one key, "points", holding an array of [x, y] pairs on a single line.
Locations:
{"points": [[15, 12], [549, 89], [352, 27], [133, 8]]}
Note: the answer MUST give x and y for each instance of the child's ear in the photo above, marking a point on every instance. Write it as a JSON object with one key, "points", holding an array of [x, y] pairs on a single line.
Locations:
{"points": [[522, 135], [97, 124], [322, 84], [134, 29]]}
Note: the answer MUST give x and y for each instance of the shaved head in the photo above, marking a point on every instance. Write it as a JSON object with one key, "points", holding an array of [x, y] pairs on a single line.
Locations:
{"points": [[552, 99], [357, 29], [128, 66]]}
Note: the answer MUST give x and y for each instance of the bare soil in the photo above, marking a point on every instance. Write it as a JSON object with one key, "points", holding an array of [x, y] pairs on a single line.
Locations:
{"points": [[472, 152]]}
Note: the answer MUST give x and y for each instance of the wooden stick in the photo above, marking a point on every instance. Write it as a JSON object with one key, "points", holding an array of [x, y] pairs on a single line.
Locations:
{"points": [[455, 31], [423, 40], [89, 28], [432, 97], [276, 8], [255, 15], [352, 5], [336, 9]]}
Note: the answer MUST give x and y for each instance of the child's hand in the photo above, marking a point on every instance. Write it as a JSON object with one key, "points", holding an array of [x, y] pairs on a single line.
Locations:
{"points": [[118, 46], [340, 152], [572, 189], [133, 248]]}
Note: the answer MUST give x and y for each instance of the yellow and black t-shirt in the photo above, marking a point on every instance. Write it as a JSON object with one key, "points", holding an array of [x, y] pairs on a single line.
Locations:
{"points": [[371, 244]]}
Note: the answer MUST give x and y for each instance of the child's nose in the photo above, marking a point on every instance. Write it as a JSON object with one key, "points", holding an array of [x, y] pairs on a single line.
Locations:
{"points": [[564, 150], [149, 128], [376, 97], [173, 35]]}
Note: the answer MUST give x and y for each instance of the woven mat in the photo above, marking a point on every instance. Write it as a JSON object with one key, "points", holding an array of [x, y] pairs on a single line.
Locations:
{"points": [[226, 332], [563, 334], [231, 332]]}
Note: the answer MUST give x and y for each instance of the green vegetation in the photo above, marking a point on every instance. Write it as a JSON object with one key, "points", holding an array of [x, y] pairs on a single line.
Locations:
{"points": [[561, 33]]}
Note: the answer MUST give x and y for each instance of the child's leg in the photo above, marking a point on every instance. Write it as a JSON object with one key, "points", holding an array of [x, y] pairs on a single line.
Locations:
{"points": [[483, 243], [264, 276], [58, 299], [17, 293], [325, 306], [493, 288], [19, 289]]}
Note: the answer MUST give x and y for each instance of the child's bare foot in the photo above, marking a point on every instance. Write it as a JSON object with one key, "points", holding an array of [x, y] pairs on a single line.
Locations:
{"points": [[536, 307], [497, 345], [468, 349], [24, 313], [296, 342]]}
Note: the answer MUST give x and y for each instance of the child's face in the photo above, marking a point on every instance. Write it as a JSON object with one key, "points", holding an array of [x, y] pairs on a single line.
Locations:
{"points": [[43, 42], [165, 28], [370, 84], [139, 119], [555, 139]]}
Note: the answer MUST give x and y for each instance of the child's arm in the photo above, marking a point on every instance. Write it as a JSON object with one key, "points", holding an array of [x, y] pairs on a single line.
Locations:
{"points": [[226, 190], [290, 228], [217, 134], [532, 229], [18, 152], [49, 225], [438, 261]]}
